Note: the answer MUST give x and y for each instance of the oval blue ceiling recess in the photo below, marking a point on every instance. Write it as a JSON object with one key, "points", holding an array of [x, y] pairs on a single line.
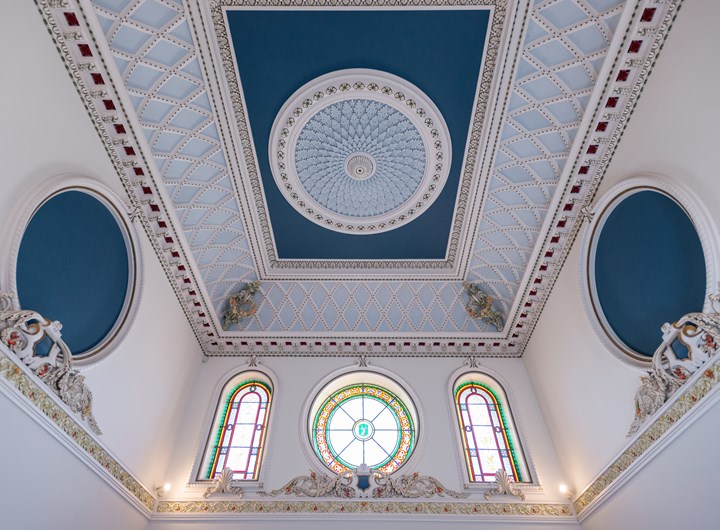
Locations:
{"points": [[649, 268], [73, 267]]}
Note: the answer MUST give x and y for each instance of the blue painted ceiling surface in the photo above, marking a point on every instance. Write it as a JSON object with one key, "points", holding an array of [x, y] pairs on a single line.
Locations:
{"points": [[73, 267], [649, 268], [438, 51]]}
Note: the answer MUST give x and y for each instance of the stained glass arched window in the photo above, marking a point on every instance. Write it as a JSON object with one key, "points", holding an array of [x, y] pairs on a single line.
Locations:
{"points": [[363, 423], [238, 435], [486, 430]]}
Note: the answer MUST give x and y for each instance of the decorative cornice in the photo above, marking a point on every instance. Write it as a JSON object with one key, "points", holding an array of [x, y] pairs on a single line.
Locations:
{"points": [[366, 507], [626, 79], [86, 66], [125, 145]]}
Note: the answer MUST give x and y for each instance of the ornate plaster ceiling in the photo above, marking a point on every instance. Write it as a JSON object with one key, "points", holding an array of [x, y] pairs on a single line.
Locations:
{"points": [[553, 86]]}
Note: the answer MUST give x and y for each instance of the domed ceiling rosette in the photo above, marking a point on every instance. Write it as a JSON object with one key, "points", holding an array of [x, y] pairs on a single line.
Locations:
{"points": [[360, 151]]}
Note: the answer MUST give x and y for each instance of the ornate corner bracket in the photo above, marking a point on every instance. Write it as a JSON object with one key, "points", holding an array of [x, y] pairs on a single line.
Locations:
{"points": [[241, 305], [22, 332], [503, 486], [479, 306], [223, 485], [699, 334], [357, 483]]}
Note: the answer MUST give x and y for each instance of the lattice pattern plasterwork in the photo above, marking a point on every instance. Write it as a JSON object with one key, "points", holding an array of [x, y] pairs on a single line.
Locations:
{"points": [[188, 153], [154, 51], [356, 307], [565, 45], [556, 73]]}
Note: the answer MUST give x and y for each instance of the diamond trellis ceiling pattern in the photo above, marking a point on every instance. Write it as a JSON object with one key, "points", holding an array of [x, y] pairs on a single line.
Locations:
{"points": [[533, 124], [563, 51], [153, 48]]}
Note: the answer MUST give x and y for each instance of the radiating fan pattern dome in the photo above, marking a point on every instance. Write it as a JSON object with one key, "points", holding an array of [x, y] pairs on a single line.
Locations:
{"points": [[360, 158]]}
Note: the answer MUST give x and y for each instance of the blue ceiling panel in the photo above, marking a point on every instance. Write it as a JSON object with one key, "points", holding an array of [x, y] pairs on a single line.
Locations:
{"points": [[438, 51]]}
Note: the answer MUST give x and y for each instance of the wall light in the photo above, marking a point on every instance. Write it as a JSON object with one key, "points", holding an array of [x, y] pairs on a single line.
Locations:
{"points": [[567, 492], [162, 490]]}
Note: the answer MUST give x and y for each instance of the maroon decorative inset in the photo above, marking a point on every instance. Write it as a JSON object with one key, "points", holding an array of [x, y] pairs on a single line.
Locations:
{"points": [[71, 19], [648, 14], [635, 46]]}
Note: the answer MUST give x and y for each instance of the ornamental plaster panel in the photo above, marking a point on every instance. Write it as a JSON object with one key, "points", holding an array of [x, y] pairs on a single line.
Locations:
{"points": [[273, 267], [26, 206]]}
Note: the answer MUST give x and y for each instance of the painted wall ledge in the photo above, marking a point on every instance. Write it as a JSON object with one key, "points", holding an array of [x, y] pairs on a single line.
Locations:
{"points": [[367, 507], [681, 409], [19, 383]]}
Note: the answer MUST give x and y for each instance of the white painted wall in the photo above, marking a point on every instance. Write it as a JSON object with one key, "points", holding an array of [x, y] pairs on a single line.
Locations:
{"points": [[585, 393], [45, 486], [140, 389], [429, 378]]}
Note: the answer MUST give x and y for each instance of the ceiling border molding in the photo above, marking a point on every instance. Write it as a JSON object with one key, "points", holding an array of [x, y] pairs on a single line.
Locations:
{"points": [[638, 49], [270, 267], [73, 36]]}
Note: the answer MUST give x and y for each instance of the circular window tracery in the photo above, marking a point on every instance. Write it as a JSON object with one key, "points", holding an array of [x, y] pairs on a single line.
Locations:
{"points": [[363, 423]]}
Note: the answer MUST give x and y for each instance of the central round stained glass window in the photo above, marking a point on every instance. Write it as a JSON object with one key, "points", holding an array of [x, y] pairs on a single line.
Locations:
{"points": [[363, 424]]}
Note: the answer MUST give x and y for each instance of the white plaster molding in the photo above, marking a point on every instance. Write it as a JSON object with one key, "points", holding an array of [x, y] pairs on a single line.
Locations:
{"points": [[701, 219], [414, 109], [24, 389], [29, 203]]}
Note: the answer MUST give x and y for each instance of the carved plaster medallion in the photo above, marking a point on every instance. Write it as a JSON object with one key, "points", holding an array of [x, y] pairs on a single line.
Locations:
{"points": [[360, 151]]}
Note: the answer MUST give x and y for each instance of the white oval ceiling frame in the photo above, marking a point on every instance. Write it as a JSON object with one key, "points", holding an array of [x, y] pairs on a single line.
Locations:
{"points": [[373, 85], [702, 222]]}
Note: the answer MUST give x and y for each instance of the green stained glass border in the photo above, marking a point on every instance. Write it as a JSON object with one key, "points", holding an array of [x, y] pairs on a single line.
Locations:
{"points": [[503, 418], [223, 419]]}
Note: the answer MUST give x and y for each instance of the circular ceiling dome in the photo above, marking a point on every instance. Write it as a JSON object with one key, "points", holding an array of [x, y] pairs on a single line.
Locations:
{"points": [[360, 151]]}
